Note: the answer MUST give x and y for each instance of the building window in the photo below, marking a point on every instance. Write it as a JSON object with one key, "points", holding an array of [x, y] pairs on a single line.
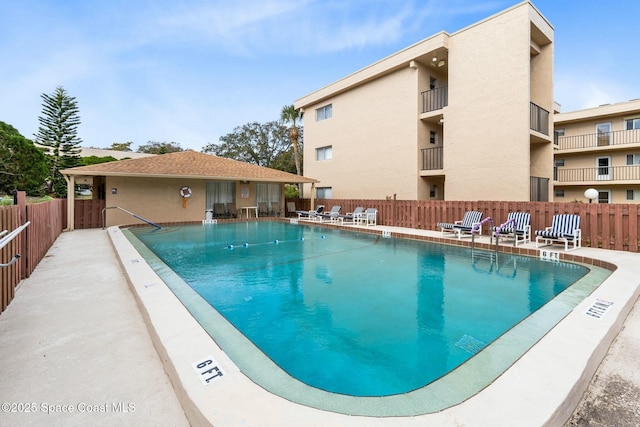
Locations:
{"points": [[432, 83], [603, 134], [557, 133], [559, 193], [633, 194], [324, 113], [323, 192], [433, 137], [604, 196], [324, 153], [558, 164], [433, 192], [632, 124], [633, 159]]}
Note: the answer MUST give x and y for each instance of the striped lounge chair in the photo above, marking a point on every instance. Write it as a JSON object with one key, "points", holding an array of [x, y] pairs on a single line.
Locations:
{"points": [[516, 227], [459, 228], [565, 228]]}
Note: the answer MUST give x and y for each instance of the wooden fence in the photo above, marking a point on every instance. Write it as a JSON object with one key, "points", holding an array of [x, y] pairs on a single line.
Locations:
{"points": [[48, 219], [88, 213], [606, 226]]}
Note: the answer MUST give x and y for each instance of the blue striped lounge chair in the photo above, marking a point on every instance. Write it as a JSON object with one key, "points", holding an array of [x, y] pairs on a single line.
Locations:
{"points": [[465, 226], [520, 231], [565, 228]]}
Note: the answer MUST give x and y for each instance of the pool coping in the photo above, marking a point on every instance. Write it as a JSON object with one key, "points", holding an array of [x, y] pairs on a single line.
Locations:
{"points": [[559, 366]]}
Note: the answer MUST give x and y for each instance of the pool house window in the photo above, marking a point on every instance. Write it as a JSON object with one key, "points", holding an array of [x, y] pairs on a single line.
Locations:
{"points": [[220, 192], [268, 192], [324, 113]]}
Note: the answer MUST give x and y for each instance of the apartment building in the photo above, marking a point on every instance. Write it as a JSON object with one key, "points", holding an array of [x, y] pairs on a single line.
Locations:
{"points": [[461, 116], [598, 148]]}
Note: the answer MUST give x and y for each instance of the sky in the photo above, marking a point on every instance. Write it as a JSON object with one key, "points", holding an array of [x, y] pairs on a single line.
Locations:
{"points": [[191, 71]]}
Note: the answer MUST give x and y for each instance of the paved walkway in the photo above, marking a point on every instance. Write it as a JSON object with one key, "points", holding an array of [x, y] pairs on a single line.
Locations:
{"points": [[612, 399], [74, 350]]}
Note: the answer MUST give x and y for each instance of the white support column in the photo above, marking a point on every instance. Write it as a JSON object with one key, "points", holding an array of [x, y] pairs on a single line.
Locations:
{"points": [[71, 185]]}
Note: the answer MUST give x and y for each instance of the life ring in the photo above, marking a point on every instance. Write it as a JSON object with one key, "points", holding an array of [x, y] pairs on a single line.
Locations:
{"points": [[185, 192]]}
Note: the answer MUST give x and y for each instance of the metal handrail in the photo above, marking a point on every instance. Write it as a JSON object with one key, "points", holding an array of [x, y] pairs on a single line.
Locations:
{"points": [[4, 241], [104, 217]]}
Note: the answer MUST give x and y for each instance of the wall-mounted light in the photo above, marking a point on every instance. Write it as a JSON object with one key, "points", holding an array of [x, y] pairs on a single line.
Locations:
{"points": [[441, 64], [591, 194]]}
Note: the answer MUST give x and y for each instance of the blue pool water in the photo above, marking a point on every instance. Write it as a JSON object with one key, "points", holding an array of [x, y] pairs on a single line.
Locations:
{"points": [[357, 314]]}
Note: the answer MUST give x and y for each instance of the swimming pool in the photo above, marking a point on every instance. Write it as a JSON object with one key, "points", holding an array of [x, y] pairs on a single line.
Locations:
{"points": [[357, 314]]}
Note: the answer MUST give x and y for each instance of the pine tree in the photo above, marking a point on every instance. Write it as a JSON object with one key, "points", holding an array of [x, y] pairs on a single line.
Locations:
{"points": [[58, 132]]}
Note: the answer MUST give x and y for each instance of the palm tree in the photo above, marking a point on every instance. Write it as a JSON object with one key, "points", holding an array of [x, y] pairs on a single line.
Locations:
{"points": [[291, 116]]}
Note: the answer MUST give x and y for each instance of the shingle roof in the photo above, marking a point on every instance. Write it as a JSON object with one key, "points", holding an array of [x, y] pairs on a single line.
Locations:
{"points": [[188, 164]]}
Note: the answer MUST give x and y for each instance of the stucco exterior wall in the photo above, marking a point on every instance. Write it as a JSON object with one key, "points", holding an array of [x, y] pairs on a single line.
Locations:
{"points": [[373, 132], [493, 70], [486, 128], [157, 200]]}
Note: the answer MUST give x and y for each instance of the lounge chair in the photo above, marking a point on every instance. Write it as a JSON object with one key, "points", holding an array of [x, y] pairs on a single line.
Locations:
{"points": [[219, 211], [565, 228], [291, 208], [516, 227], [459, 228], [310, 215], [263, 209], [369, 217], [350, 217], [232, 212], [275, 208], [332, 215]]}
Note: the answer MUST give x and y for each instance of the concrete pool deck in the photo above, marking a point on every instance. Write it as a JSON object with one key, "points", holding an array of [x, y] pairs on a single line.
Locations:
{"points": [[73, 336]]}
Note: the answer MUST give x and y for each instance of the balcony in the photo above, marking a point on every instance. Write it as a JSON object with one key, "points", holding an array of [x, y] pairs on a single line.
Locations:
{"points": [[539, 119], [603, 173], [431, 158], [435, 99], [598, 140]]}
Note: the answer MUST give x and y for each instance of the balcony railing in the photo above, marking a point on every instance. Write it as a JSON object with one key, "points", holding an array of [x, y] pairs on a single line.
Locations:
{"points": [[602, 139], [432, 158], [435, 99], [539, 119], [602, 173]]}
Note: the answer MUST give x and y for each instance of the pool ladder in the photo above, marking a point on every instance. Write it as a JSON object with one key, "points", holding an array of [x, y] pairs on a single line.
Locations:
{"points": [[492, 256], [474, 230]]}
